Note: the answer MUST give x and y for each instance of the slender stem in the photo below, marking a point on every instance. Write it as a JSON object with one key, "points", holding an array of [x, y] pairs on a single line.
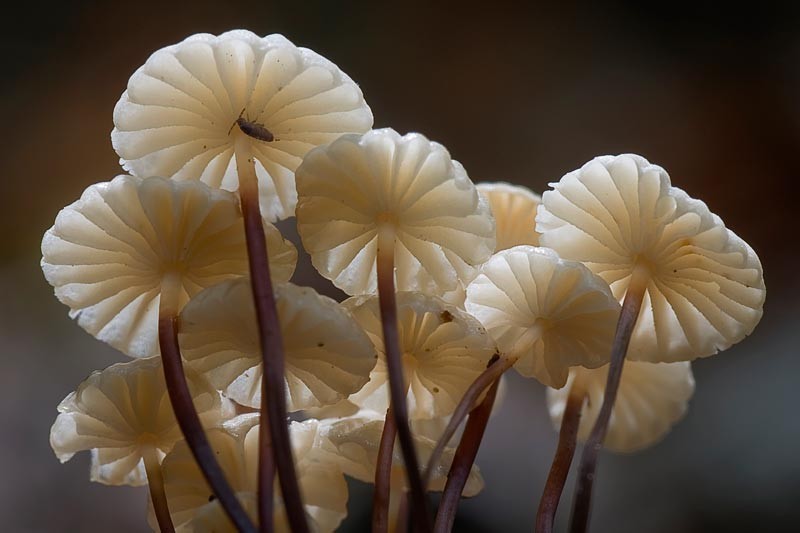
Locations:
{"points": [[494, 370], [394, 365], [631, 306], [185, 413], [383, 476], [557, 478], [463, 460], [266, 475], [155, 480], [273, 395]]}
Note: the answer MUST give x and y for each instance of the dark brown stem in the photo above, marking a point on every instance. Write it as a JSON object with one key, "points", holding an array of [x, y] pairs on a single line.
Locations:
{"points": [[190, 425], [394, 366], [155, 481], [273, 387], [494, 369], [266, 475], [463, 460], [383, 476], [554, 486], [622, 337]]}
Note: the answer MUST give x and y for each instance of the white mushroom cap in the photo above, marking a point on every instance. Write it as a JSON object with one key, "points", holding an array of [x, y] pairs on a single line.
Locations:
{"points": [[548, 312], [514, 209], [177, 116], [327, 354], [443, 350], [322, 483], [107, 253], [118, 411], [652, 398], [355, 443], [348, 188], [706, 289]]}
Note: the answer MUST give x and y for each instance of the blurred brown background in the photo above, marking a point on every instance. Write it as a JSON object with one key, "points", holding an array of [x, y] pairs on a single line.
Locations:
{"points": [[518, 94]]}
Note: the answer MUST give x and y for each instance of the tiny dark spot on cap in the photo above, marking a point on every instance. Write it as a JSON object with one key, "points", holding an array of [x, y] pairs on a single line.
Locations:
{"points": [[320, 344], [446, 316], [436, 390], [674, 270]]}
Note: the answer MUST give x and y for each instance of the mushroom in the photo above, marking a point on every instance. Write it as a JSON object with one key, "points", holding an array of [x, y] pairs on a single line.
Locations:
{"points": [[378, 206], [355, 440], [690, 287], [545, 313], [359, 446], [124, 416], [187, 107], [443, 350], [405, 192], [328, 356], [239, 112], [514, 210], [127, 256], [115, 252], [652, 397], [195, 509]]}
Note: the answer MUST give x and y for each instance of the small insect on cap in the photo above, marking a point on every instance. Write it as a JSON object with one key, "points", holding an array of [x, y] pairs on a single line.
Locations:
{"points": [[255, 130], [184, 108]]}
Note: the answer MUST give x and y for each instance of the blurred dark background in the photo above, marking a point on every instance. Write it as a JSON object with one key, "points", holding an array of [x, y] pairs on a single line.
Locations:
{"points": [[522, 94]]}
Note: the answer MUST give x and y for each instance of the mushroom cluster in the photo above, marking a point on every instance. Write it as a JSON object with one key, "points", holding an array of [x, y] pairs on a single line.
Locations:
{"points": [[179, 267]]}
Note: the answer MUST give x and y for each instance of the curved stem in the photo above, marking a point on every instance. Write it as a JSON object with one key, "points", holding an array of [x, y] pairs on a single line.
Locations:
{"points": [[394, 366], [383, 476], [273, 387], [463, 460], [494, 370], [557, 478], [631, 306], [155, 481], [181, 399]]}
